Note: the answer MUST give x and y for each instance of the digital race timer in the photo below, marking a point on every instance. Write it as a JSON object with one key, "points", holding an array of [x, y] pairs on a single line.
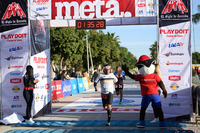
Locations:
{"points": [[90, 24]]}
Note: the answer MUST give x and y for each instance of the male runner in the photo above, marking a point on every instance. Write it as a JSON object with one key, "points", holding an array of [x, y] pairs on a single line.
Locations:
{"points": [[119, 85], [107, 80]]}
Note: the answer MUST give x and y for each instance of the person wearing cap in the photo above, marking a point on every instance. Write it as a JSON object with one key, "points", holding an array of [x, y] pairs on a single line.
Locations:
{"points": [[119, 85], [107, 80], [148, 81]]}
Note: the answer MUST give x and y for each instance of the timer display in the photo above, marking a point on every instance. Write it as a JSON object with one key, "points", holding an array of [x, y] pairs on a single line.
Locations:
{"points": [[90, 24]]}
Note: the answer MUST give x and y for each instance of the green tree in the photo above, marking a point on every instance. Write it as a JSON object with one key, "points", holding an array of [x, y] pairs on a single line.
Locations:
{"points": [[127, 58], [196, 17], [153, 50], [195, 58], [67, 45]]}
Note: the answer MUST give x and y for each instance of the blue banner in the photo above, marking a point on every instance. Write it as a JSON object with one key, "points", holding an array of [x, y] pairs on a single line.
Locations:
{"points": [[80, 84], [74, 86], [66, 88]]}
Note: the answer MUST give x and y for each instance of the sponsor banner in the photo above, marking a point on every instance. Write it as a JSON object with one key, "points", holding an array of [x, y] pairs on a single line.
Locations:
{"points": [[85, 82], [14, 38], [40, 9], [13, 14], [174, 11], [175, 56], [174, 40], [40, 99], [42, 72], [56, 89], [13, 70], [80, 85], [66, 88], [90, 9], [94, 105], [40, 33], [145, 8], [74, 86]]}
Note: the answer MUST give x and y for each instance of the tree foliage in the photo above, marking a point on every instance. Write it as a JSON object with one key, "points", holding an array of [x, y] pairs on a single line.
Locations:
{"points": [[196, 58], [196, 17], [153, 50], [68, 48]]}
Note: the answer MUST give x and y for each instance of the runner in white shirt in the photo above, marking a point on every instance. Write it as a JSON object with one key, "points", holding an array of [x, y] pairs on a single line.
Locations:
{"points": [[107, 80]]}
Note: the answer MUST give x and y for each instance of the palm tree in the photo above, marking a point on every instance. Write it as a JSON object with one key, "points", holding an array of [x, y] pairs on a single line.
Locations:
{"points": [[196, 17]]}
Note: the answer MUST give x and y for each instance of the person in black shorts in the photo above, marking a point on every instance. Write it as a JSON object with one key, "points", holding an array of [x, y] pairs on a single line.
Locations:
{"points": [[107, 80], [119, 85]]}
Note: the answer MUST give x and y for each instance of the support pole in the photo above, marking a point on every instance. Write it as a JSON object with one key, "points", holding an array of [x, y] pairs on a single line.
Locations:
{"points": [[87, 53]]}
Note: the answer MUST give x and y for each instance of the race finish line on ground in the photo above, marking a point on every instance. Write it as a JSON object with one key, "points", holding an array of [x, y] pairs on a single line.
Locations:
{"points": [[94, 105]]}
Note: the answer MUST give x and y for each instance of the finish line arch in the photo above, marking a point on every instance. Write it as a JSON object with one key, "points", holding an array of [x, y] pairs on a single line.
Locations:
{"points": [[21, 29]]}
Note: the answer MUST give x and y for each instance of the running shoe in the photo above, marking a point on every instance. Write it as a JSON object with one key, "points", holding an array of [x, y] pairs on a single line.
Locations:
{"points": [[155, 120], [30, 121], [107, 123], [120, 102], [162, 125], [141, 124]]}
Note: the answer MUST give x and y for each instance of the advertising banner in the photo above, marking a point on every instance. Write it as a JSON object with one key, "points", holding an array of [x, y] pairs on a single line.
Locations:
{"points": [[175, 56], [80, 85], [118, 12], [56, 89], [40, 9], [66, 88], [74, 86], [42, 72], [13, 14], [145, 8], [91, 9], [14, 55]]}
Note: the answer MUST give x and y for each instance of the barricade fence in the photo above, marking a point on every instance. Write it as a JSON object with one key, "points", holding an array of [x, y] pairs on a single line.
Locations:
{"points": [[63, 88]]}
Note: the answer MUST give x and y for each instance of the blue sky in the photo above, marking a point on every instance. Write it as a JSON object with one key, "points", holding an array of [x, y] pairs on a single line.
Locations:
{"points": [[138, 38]]}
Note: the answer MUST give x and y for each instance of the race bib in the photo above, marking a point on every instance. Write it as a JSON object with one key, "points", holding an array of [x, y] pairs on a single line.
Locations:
{"points": [[103, 96]]}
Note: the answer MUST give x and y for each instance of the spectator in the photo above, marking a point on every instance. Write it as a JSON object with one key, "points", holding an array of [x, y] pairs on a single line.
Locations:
{"points": [[94, 75], [67, 75], [195, 91]]}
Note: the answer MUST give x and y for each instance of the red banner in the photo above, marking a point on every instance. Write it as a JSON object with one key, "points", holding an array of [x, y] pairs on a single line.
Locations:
{"points": [[89, 9], [56, 89]]}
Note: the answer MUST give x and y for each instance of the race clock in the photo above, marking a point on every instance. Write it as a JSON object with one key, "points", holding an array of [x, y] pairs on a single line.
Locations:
{"points": [[90, 24]]}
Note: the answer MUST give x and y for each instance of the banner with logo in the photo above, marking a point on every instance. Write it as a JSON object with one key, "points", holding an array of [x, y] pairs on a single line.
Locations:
{"points": [[42, 72], [66, 88], [14, 55], [56, 89], [145, 8], [80, 85], [175, 56], [40, 9], [74, 86], [117, 12], [13, 14]]}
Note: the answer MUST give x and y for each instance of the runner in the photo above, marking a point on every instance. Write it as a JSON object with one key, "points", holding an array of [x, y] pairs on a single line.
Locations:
{"points": [[119, 85], [107, 80]]}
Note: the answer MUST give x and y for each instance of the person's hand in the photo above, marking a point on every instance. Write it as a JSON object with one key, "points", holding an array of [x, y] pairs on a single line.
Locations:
{"points": [[96, 89], [36, 81], [165, 94], [125, 68]]}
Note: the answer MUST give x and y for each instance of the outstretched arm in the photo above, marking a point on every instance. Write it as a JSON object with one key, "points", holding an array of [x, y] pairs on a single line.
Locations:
{"points": [[162, 86], [126, 69]]}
